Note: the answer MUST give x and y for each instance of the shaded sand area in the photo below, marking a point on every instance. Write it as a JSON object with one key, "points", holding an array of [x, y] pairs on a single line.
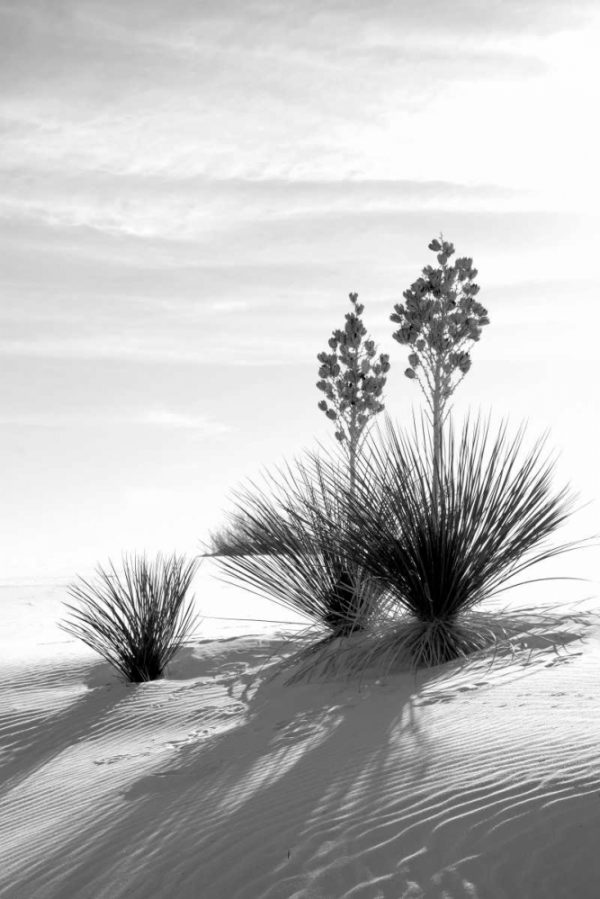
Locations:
{"points": [[473, 781]]}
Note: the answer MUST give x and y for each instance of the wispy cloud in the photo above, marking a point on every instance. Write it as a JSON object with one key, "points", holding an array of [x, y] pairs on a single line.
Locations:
{"points": [[155, 418], [191, 209], [332, 90], [163, 418], [236, 351]]}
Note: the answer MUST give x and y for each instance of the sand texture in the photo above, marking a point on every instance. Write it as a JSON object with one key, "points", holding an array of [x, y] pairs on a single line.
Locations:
{"points": [[471, 781]]}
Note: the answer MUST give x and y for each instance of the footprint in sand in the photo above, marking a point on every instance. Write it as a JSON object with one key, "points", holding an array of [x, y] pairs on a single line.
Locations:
{"points": [[113, 759]]}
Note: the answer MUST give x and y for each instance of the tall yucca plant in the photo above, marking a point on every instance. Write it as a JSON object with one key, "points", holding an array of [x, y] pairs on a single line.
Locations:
{"points": [[299, 523], [439, 321], [136, 618], [440, 552]]}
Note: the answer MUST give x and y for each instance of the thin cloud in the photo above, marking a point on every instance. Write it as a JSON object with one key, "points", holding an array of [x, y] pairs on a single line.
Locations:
{"points": [[238, 352], [156, 418], [195, 208], [163, 418], [89, 89]]}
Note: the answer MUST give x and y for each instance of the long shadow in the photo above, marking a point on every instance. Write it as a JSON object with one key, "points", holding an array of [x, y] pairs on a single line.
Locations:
{"points": [[190, 663], [173, 833], [45, 735], [231, 783]]}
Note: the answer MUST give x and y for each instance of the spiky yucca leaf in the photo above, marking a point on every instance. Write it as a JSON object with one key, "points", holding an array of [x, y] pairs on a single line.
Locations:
{"points": [[136, 618], [237, 537], [440, 555], [296, 528]]}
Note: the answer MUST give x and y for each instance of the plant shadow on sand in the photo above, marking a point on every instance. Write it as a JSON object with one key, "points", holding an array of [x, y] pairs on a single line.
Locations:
{"points": [[293, 760], [39, 735]]}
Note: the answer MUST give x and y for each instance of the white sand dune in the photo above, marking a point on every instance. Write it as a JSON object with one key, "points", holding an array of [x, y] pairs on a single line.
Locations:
{"points": [[468, 781]]}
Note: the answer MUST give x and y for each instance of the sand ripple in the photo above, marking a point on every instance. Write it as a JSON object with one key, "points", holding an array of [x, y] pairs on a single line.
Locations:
{"points": [[473, 782]]}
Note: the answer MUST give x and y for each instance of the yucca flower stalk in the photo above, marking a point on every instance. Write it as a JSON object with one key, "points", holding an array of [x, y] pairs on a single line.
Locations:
{"points": [[137, 617], [352, 382], [297, 525], [439, 320], [441, 552]]}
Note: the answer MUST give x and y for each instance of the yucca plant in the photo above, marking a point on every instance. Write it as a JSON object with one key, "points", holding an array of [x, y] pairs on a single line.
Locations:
{"points": [[136, 618], [439, 321], [296, 527], [439, 552], [235, 538]]}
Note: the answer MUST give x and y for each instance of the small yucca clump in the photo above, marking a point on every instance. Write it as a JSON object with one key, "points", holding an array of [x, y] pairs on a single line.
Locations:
{"points": [[441, 552], [137, 618]]}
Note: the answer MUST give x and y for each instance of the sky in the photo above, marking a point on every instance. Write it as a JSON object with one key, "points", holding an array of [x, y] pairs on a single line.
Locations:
{"points": [[189, 191]]}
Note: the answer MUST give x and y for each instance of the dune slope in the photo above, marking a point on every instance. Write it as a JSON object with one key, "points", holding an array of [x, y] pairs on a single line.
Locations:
{"points": [[468, 781]]}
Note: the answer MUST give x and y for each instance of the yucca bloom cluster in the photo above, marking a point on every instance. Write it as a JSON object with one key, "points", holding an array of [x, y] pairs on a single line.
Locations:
{"points": [[438, 320], [350, 380]]}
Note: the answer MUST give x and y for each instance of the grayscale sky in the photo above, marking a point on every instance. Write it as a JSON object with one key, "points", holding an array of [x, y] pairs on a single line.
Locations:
{"points": [[189, 190]]}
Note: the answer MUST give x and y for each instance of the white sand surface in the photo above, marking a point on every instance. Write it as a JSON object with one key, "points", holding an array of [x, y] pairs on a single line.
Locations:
{"points": [[477, 780]]}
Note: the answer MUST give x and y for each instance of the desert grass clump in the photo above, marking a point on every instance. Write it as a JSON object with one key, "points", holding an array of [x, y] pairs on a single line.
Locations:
{"points": [[136, 618], [296, 527], [441, 545]]}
